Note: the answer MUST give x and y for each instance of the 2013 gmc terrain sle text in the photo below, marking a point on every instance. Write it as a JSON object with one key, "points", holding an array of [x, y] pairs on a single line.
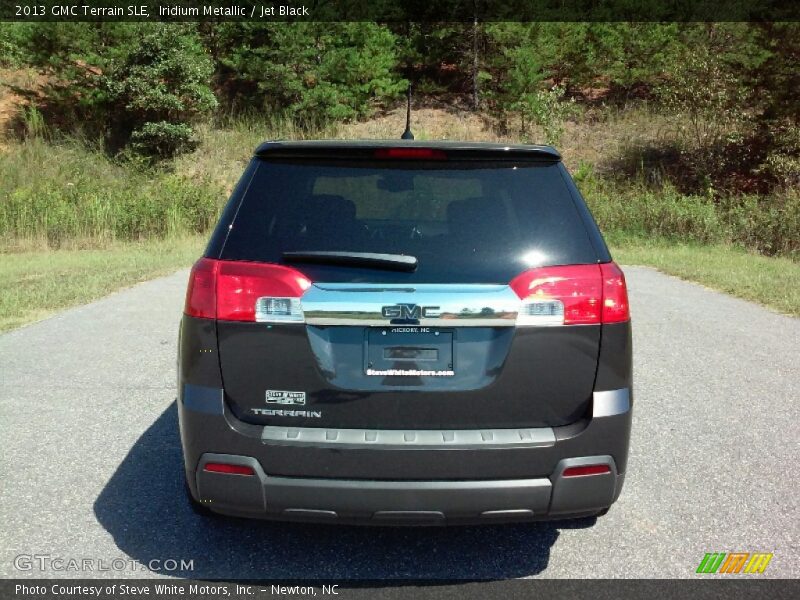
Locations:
{"points": [[405, 332]]}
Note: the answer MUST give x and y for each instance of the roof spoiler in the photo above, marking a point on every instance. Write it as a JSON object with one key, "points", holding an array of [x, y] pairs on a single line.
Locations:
{"points": [[372, 149]]}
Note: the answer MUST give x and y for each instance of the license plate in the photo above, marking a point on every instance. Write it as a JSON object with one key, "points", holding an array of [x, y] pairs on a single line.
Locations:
{"points": [[409, 351]]}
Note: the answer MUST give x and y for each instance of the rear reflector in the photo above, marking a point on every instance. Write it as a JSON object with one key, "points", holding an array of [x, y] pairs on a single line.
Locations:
{"points": [[586, 470], [411, 153], [245, 291], [228, 469], [572, 295]]}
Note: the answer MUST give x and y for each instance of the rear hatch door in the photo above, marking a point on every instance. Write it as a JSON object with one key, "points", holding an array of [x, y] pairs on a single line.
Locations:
{"points": [[410, 319]]}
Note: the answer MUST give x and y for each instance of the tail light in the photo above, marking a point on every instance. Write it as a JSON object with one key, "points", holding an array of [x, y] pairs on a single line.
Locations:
{"points": [[572, 295], [243, 291], [615, 294], [259, 292], [201, 295]]}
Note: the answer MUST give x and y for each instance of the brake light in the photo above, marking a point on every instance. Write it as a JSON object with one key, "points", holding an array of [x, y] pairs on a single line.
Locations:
{"points": [[259, 292], [615, 294], [586, 470], [569, 295], [228, 469], [411, 153], [572, 295], [201, 294], [244, 291]]}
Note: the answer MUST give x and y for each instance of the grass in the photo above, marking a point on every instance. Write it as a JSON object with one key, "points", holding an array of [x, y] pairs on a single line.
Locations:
{"points": [[76, 225], [766, 224], [54, 190], [771, 281], [54, 193], [36, 284]]}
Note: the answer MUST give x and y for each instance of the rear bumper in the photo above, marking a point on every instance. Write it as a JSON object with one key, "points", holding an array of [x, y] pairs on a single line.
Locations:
{"points": [[404, 502], [420, 478]]}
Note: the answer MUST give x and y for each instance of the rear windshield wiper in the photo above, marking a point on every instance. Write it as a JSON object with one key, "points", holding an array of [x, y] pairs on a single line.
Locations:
{"points": [[399, 262]]}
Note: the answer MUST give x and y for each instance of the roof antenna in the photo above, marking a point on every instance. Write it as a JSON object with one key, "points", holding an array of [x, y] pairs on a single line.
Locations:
{"points": [[407, 135]]}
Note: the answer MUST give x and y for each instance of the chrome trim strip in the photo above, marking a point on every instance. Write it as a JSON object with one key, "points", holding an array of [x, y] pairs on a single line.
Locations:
{"points": [[611, 402], [429, 305], [405, 438]]}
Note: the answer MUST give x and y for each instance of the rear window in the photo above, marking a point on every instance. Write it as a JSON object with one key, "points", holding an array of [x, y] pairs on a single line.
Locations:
{"points": [[470, 222]]}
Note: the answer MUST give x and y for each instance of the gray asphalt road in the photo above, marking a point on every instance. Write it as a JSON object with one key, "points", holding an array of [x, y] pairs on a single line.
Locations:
{"points": [[91, 463]]}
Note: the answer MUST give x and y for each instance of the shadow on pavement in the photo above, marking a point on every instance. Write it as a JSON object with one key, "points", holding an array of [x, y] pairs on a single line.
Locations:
{"points": [[144, 508]]}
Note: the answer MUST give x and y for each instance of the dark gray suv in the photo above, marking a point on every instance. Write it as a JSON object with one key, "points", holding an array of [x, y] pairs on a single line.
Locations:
{"points": [[405, 332]]}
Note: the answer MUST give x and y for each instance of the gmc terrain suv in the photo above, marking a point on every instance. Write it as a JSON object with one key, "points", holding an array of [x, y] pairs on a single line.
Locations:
{"points": [[405, 332]]}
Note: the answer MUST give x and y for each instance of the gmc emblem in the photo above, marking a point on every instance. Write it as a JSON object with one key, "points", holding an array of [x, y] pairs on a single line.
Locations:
{"points": [[410, 312]]}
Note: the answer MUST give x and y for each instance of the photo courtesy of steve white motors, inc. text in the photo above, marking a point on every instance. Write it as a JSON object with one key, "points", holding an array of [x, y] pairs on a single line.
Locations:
{"points": [[139, 590]]}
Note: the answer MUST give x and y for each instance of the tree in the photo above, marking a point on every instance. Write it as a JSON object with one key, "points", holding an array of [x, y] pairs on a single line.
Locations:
{"points": [[13, 44], [522, 81], [631, 56], [776, 82], [159, 89], [313, 71], [709, 88], [137, 84]]}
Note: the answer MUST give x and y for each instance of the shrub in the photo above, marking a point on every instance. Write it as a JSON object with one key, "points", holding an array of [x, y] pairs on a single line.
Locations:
{"points": [[764, 224], [546, 108], [711, 99], [158, 89], [163, 139]]}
